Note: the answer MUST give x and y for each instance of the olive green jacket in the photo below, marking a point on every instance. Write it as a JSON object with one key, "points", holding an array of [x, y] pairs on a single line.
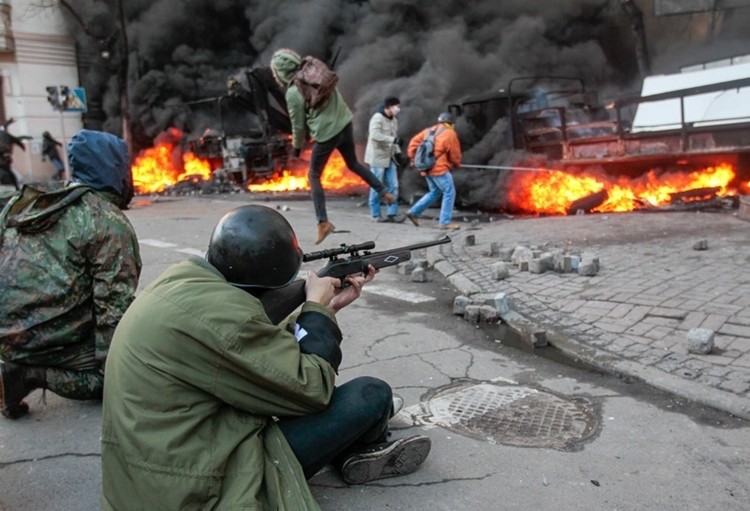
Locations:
{"points": [[195, 376], [321, 123]]}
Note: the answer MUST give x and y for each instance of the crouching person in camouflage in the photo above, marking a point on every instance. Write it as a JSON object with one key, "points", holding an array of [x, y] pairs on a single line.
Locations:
{"points": [[69, 266]]}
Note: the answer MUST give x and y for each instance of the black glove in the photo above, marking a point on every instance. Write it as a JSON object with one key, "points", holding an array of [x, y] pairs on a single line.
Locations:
{"points": [[397, 141], [296, 152]]}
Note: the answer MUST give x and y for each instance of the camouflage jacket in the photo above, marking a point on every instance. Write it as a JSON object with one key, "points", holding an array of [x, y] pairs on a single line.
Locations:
{"points": [[69, 267]]}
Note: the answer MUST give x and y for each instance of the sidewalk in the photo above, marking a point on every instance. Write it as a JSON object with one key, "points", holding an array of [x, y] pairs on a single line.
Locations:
{"points": [[632, 318]]}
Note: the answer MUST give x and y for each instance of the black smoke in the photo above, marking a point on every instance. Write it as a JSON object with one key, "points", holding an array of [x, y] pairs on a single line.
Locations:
{"points": [[429, 54]]}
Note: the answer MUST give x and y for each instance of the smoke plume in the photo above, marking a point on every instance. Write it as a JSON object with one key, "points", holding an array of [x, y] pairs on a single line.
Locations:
{"points": [[429, 54]]}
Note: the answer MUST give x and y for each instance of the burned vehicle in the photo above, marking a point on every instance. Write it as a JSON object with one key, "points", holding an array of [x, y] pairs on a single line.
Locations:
{"points": [[679, 123], [251, 142]]}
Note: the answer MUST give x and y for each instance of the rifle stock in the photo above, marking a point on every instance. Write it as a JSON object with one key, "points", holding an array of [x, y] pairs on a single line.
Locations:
{"points": [[280, 303]]}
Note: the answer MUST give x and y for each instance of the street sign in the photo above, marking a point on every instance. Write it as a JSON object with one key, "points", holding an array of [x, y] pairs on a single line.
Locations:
{"points": [[75, 100], [66, 99]]}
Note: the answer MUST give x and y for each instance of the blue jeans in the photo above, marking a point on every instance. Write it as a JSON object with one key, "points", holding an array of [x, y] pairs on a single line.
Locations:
{"points": [[438, 185], [321, 151], [356, 417], [389, 176]]}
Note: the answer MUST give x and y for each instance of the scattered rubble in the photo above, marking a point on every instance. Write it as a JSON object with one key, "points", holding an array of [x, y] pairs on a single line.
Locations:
{"points": [[196, 184], [700, 245], [700, 341]]}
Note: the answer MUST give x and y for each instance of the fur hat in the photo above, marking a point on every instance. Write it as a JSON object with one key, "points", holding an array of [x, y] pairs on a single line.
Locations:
{"points": [[284, 63]]}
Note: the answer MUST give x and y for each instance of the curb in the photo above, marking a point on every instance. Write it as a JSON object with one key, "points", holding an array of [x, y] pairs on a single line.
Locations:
{"points": [[536, 337]]}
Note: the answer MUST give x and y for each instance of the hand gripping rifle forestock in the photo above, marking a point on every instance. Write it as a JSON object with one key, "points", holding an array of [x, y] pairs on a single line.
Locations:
{"points": [[280, 303]]}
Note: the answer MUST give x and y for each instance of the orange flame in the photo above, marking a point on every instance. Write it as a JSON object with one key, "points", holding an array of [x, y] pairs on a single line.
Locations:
{"points": [[554, 192], [158, 167], [164, 165], [335, 176]]}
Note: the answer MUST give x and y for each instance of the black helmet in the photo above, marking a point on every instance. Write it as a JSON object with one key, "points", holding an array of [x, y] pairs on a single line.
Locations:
{"points": [[445, 117], [255, 247]]}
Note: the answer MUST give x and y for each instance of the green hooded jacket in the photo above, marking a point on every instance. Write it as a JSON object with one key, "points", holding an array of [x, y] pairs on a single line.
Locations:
{"points": [[195, 375], [321, 123]]}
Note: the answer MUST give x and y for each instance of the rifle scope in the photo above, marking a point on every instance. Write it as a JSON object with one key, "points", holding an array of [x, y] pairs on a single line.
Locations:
{"points": [[333, 252]]}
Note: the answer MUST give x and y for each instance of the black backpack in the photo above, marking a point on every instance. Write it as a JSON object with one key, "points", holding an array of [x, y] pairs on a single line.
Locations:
{"points": [[424, 159]]}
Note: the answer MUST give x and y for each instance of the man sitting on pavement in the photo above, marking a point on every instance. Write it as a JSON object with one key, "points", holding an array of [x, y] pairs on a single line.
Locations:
{"points": [[208, 404], [69, 267]]}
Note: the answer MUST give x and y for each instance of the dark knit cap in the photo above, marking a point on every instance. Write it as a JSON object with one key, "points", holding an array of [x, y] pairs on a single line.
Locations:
{"points": [[390, 101]]}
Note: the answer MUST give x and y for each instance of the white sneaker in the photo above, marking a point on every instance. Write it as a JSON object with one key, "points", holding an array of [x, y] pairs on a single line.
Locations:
{"points": [[398, 404]]}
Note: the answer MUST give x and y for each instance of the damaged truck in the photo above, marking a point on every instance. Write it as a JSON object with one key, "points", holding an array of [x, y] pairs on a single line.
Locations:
{"points": [[679, 122], [252, 141]]}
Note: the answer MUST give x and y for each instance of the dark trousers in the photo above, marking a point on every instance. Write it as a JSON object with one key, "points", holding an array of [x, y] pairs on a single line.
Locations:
{"points": [[357, 416], [321, 151], [7, 177]]}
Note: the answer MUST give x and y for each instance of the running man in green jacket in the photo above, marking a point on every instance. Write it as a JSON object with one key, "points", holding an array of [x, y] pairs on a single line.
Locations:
{"points": [[329, 125]]}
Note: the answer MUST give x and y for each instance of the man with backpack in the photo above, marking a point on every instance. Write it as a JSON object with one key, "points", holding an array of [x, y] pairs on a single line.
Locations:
{"points": [[316, 108], [434, 152]]}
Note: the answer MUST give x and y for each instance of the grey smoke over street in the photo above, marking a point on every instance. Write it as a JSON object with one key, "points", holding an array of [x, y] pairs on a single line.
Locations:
{"points": [[430, 54]]}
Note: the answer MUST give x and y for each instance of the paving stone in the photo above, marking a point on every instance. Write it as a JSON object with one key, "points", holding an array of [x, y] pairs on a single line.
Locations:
{"points": [[460, 303], [700, 340]]}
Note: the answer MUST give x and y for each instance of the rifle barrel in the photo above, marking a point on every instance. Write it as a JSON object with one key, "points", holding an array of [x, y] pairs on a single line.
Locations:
{"points": [[441, 241]]}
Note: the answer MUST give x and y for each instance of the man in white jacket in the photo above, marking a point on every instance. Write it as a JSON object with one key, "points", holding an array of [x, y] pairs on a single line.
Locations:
{"points": [[382, 147]]}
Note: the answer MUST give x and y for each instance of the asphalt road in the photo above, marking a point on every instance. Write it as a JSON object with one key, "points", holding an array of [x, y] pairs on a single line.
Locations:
{"points": [[573, 439]]}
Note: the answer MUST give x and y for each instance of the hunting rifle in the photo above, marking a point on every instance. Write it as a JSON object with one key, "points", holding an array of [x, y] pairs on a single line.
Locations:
{"points": [[279, 303]]}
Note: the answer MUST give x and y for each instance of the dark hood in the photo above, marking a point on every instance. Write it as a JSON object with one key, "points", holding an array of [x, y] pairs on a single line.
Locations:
{"points": [[100, 160]]}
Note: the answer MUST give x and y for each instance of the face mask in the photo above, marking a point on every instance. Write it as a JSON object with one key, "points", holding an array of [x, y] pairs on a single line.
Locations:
{"points": [[395, 109]]}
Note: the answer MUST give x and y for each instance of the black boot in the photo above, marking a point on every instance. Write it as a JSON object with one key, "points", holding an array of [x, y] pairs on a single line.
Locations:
{"points": [[16, 382]]}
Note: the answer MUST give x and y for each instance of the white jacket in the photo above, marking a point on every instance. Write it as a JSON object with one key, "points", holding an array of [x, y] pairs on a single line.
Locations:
{"points": [[381, 135]]}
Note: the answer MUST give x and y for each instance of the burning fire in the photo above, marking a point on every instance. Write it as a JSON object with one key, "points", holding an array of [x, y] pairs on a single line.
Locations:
{"points": [[335, 176], [155, 168], [554, 192], [165, 164]]}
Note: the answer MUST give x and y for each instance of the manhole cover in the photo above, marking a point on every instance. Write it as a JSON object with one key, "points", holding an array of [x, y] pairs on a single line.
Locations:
{"points": [[509, 414]]}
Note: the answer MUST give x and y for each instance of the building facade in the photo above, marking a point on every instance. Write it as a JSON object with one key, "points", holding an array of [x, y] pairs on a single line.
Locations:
{"points": [[36, 52]]}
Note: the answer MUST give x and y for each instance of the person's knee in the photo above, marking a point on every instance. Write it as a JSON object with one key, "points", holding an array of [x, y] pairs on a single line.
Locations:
{"points": [[372, 393]]}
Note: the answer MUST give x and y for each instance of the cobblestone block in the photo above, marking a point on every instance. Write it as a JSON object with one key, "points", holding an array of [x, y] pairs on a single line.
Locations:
{"points": [[459, 304], [505, 254], [540, 265], [497, 300], [419, 275], [499, 270], [589, 265], [488, 314], [470, 240], [575, 262], [700, 245], [521, 254], [543, 263], [700, 340], [493, 250], [409, 266], [471, 314]]}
